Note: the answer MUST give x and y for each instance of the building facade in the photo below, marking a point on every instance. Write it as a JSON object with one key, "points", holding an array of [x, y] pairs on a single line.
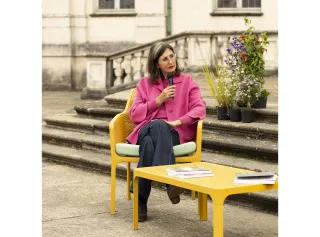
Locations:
{"points": [[74, 29]]}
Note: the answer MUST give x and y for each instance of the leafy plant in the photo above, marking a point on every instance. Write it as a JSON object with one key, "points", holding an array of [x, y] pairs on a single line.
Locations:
{"points": [[219, 85], [248, 92], [264, 93], [240, 82], [255, 46]]}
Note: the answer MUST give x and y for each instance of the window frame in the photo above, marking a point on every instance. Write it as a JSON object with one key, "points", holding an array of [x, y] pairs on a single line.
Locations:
{"points": [[238, 11], [117, 11]]}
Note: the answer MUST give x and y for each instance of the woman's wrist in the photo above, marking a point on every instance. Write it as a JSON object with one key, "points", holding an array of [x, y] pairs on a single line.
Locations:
{"points": [[178, 122], [159, 101]]}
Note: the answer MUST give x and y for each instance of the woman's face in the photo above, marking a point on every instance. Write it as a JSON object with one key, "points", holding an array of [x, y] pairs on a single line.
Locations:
{"points": [[167, 62]]}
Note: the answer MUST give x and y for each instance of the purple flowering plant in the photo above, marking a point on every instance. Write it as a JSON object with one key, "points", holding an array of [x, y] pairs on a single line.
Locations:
{"points": [[239, 80], [246, 66]]}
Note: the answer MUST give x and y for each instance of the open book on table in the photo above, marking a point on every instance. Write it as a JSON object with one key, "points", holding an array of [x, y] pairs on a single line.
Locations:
{"points": [[255, 178], [189, 172]]}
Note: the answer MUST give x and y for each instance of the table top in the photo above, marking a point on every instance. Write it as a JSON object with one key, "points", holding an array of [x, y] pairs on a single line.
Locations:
{"points": [[221, 180]]}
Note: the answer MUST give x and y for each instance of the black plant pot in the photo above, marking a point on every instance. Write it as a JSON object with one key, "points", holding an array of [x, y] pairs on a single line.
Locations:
{"points": [[261, 103], [256, 105], [247, 115], [222, 113], [235, 114]]}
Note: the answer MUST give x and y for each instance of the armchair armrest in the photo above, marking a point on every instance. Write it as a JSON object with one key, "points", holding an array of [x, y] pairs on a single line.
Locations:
{"points": [[120, 128], [199, 137]]}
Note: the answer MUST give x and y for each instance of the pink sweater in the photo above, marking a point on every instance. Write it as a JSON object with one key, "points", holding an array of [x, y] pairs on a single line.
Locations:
{"points": [[187, 106]]}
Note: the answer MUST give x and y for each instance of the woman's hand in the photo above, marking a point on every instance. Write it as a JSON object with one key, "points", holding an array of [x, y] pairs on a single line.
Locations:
{"points": [[174, 123], [167, 93]]}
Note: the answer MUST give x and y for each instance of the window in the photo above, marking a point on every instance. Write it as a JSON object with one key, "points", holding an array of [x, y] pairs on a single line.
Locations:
{"points": [[239, 3], [113, 8], [116, 4], [251, 3], [236, 7]]}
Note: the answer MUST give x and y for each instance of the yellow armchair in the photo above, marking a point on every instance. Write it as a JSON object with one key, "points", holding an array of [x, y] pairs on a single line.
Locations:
{"points": [[120, 128]]}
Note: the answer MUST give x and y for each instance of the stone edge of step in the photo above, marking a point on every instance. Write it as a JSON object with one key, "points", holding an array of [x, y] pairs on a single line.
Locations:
{"points": [[208, 124], [69, 136]]}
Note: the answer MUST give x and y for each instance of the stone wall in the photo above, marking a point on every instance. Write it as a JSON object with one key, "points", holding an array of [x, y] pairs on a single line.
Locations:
{"points": [[64, 66], [71, 29]]}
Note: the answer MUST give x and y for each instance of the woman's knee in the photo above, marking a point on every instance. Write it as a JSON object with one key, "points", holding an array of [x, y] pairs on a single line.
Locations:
{"points": [[147, 143], [160, 124]]}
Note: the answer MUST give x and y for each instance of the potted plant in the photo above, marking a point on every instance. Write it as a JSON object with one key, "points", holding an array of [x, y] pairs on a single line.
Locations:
{"points": [[247, 67], [246, 95], [219, 86], [254, 47], [235, 61], [261, 103], [239, 83], [235, 114]]}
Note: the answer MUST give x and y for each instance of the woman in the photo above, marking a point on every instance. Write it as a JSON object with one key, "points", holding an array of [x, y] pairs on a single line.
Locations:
{"points": [[165, 116]]}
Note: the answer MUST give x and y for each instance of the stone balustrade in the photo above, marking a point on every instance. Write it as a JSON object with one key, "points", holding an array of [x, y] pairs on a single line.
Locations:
{"points": [[128, 66]]}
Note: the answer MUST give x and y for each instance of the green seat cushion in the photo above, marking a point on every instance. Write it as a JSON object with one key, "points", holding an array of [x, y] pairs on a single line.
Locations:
{"points": [[125, 149]]}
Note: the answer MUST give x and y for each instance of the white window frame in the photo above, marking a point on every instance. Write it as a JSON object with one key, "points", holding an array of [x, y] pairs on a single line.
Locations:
{"points": [[238, 9], [116, 10]]}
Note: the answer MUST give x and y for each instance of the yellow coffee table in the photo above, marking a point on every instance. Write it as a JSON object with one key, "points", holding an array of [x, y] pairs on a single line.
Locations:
{"points": [[218, 187]]}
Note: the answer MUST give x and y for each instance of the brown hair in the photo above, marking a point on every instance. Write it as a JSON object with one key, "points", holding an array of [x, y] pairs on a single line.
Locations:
{"points": [[156, 51]]}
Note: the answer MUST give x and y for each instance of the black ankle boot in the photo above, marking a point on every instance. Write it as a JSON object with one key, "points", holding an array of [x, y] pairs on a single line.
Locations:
{"points": [[142, 209], [174, 193]]}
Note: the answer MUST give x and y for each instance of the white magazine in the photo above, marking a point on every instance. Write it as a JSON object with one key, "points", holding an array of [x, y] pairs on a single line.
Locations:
{"points": [[189, 172]]}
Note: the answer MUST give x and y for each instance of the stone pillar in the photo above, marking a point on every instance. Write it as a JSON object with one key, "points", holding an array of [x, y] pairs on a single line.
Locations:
{"points": [[118, 71], [137, 65], [224, 44], [181, 53], [126, 65], [215, 51], [198, 53], [144, 61], [96, 78]]}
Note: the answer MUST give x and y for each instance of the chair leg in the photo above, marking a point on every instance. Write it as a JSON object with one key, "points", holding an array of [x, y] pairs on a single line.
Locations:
{"points": [[193, 195], [113, 188], [128, 181]]}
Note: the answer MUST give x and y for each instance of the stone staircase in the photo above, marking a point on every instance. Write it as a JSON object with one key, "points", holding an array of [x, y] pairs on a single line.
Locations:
{"points": [[81, 138]]}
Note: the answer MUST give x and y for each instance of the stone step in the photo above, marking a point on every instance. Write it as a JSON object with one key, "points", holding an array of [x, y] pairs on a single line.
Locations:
{"points": [[267, 201], [116, 103], [255, 130], [239, 146], [94, 142], [74, 122], [231, 144]]}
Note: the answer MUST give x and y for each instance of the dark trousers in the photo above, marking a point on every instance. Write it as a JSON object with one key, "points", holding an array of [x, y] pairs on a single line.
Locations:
{"points": [[156, 140]]}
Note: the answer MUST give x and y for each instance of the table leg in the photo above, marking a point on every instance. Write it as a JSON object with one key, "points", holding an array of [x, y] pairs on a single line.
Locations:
{"points": [[203, 206], [217, 219], [199, 205], [135, 203]]}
